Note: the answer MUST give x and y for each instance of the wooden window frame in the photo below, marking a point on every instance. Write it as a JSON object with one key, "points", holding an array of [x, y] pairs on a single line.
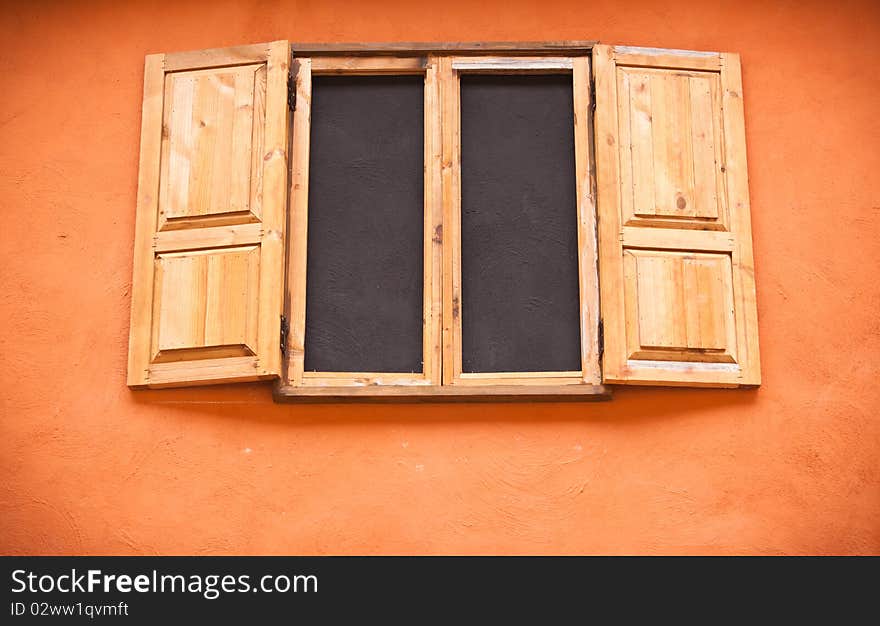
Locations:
{"points": [[441, 379], [303, 68], [588, 284]]}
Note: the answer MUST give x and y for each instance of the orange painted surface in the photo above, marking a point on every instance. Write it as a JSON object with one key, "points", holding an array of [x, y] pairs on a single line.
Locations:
{"points": [[89, 466]]}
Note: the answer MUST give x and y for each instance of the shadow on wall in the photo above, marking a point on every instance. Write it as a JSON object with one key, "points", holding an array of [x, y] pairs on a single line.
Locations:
{"points": [[629, 406]]}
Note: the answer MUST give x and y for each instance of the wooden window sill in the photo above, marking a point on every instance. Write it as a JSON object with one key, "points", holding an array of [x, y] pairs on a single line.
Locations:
{"points": [[447, 393]]}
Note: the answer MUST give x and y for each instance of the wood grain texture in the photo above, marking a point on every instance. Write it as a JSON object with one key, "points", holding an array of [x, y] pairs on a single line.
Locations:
{"points": [[214, 125], [671, 59], [451, 165], [210, 237], [511, 65], [207, 282], [608, 171], [474, 47], [676, 174], [217, 57], [433, 236], [671, 124], [299, 221], [445, 393], [140, 332], [368, 66], [206, 299], [274, 205], [675, 239], [679, 306], [588, 270], [745, 299], [190, 373]]}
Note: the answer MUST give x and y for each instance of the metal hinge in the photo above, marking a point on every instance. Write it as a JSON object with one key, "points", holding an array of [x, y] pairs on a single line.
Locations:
{"points": [[601, 338], [593, 93], [291, 93], [285, 329]]}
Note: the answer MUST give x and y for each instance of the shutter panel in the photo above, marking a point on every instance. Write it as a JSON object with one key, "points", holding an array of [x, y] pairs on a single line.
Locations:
{"points": [[209, 242], [675, 265]]}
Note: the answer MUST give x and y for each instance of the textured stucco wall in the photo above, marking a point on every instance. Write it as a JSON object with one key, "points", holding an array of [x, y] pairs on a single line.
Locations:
{"points": [[89, 466]]}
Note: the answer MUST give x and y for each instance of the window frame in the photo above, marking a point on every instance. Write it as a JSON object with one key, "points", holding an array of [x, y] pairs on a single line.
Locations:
{"points": [[303, 68], [441, 379], [588, 285]]}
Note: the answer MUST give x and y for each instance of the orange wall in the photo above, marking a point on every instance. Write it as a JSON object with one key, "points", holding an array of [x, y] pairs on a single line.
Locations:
{"points": [[89, 466]]}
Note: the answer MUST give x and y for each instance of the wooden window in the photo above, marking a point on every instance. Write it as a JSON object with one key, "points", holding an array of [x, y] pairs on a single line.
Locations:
{"points": [[521, 305], [568, 335], [453, 212], [383, 221]]}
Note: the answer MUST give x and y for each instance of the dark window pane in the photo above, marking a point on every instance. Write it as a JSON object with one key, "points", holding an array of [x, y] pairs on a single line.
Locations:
{"points": [[520, 304], [365, 250]]}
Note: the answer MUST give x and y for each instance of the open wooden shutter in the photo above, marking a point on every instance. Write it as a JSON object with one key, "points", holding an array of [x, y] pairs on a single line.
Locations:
{"points": [[675, 244], [212, 189]]}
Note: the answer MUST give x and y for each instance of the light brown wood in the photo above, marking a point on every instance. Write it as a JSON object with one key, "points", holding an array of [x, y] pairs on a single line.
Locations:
{"points": [[299, 221], [508, 65], [679, 306], [745, 302], [677, 239], [497, 375], [360, 379], [140, 332], [368, 66], [672, 174], [683, 374], [235, 369], [677, 296], [677, 288], [445, 393], [567, 47], [520, 378], [433, 239], [211, 237], [671, 59], [455, 218], [346, 375], [445, 224], [432, 230], [217, 57], [611, 286], [206, 299], [215, 124], [274, 208], [588, 271], [579, 68], [207, 285], [227, 218], [449, 171]]}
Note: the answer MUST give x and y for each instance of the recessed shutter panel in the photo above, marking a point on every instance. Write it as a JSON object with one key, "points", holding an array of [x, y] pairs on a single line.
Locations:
{"points": [[675, 264], [209, 242]]}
